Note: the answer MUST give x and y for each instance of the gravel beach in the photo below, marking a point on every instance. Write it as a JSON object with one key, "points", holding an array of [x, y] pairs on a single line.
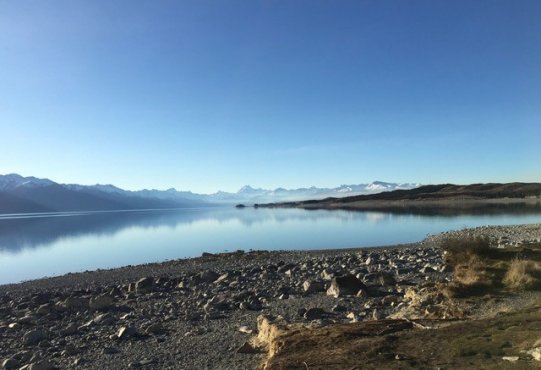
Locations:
{"points": [[198, 313]]}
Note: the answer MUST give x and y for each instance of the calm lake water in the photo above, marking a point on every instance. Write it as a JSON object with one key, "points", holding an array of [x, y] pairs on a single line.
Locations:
{"points": [[33, 246]]}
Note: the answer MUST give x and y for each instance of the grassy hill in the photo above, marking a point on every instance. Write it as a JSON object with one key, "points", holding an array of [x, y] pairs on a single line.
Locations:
{"points": [[426, 194]]}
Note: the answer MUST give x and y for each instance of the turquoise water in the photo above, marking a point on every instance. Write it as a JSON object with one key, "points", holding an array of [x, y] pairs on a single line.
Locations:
{"points": [[38, 245]]}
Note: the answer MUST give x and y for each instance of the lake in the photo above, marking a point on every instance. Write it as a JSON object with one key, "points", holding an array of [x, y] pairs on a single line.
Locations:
{"points": [[38, 245]]}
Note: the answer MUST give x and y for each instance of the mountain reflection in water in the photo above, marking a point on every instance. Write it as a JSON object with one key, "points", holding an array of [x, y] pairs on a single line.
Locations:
{"points": [[39, 230], [37, 245]]}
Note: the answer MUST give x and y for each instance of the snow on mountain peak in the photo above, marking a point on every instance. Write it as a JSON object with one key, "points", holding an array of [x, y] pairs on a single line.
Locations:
{"points": [[245, 194], [247, 189], [377, 186], [108, 188], [13, 180]]}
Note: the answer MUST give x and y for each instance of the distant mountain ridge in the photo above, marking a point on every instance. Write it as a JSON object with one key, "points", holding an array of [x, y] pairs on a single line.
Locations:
{"points": [[19, 194]]}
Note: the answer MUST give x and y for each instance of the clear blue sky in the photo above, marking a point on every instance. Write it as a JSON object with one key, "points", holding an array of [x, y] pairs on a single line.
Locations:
{"points": [[208, 95]]}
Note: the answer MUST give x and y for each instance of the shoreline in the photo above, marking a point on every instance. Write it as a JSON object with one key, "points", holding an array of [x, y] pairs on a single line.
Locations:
{"points": [[201, 312], [123, 274]]}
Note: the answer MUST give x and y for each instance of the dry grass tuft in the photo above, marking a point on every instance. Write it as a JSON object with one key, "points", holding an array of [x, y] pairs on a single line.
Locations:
{"points": [[471, 277], [460, 250], [473, 272], [479, 269], [522, 274], [468, 256]]}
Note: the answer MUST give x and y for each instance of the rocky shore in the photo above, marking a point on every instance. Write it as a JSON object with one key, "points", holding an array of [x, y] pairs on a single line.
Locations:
{"points": [[199, 313]]}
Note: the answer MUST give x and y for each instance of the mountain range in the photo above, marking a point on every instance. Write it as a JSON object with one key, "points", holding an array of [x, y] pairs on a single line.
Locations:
{"points": [[20, 194]]}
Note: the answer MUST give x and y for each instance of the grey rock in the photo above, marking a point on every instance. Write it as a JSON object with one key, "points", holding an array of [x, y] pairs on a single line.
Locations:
{"points": [[248, 348], [155, 328], [79, 361], [338, 308], [41, 365], [75, 303], [251, 306], [109, 350], [386, 279], [345, 285], [314, 313], [285, 267], [222, 279], [246, 330], [115, 292], [212, 316], [327, 274], [377, 314], [353, 317], [34, 336], [10, 363], [208, 276], [144, 285], [68, 330], [101, 302], [69, 350], [44, 309], [126, 332], [29, 319], [310, 286], [104, 319]]}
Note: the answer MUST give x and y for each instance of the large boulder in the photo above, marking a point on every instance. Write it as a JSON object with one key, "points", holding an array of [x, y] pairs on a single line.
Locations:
{"points": [[144, 285], [208, 276], [311, 286], [101, 302], [345, 285]]}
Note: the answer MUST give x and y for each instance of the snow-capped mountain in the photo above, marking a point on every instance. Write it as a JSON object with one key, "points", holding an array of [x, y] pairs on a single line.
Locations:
{"points": [[20, 194], [13, 181], [31, 194], [249, 194]]}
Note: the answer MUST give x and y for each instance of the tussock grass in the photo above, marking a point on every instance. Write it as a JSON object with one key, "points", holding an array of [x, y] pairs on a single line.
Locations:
{"points": [[473, 272], [480, 269], [469, 258], [522, 274], [460, 250]]}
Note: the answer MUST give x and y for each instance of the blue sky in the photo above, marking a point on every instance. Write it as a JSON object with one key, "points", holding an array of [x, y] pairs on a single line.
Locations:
{"points": [[208, 95]]}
